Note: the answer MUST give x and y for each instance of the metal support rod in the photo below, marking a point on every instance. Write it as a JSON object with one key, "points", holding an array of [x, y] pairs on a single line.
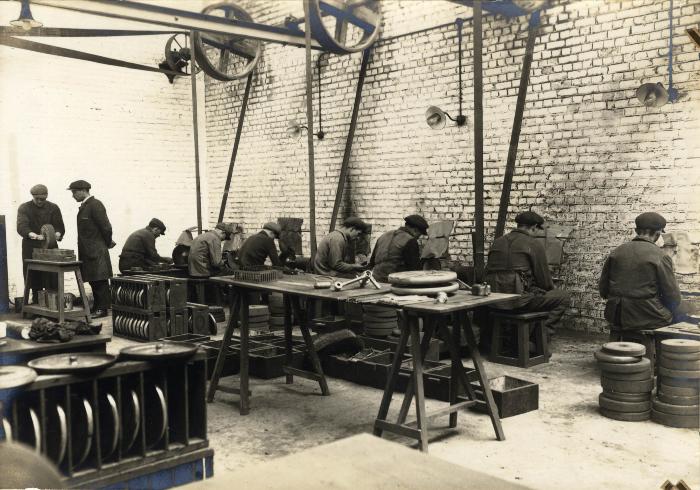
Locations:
{"points": [[4, 287], [478, 235], [351, 136], [195, 130], [236, 141], [310, 131], [517, 124]]}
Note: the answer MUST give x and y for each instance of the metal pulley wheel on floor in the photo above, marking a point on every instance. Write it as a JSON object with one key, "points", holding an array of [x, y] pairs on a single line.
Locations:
{"points": [[625, 416], [344, 26], [226, 57], [680, 346], [625, 348], [603, 356], [642, 366], [671, 420], [623, 406]]}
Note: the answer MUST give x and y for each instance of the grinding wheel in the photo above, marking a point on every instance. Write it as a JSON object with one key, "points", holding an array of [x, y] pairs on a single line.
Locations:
{"points": [[425, 291], [643, 365], [685, 401], [49, 234], [681, 356], [603, 356], [679, 365], [669, 408], [677, 373], [680, 346], [680, 421], [624, 349], [627, 397], [620, 406], [640, 376], [625, 416], [678, 390], [421, 278], [627, 386]]}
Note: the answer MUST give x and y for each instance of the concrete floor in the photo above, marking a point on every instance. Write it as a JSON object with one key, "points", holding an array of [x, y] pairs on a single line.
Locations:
{"points": [[565, 443]]}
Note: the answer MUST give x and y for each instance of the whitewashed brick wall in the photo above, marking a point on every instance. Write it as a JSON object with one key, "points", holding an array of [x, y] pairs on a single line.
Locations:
{"points": [[590, 155]]}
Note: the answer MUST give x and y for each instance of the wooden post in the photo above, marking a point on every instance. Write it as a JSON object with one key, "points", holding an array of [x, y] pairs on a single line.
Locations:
{"points": [[195, 130], [236, 141], [310, 126], [478, 235], [517, 124], [351, 136]]}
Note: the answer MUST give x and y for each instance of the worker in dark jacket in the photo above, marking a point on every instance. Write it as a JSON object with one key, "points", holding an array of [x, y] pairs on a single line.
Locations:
{"points": [[257, 248], [638, 281], [517, 264], [94, 242], [331, 256], [397, 251], [140, 248], [205, 257], [31, 216]]}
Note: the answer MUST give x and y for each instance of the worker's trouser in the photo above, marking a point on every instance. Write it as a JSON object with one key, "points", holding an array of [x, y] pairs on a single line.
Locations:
{"points": [[555, 302]]}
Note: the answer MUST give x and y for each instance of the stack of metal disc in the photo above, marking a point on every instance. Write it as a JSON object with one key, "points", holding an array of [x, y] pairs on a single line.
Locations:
{"points": [[677, 402], [258, 317], [627, 381], [379, 321], [427, 283]]}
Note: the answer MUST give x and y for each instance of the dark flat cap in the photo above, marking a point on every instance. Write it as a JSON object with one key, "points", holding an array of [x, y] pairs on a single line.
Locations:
{"points": [[529, 218], [39, 190], [226, 227], [158, 223], [355, 222], [417, 221], [79, 184], [650, 221], [272, 226]]}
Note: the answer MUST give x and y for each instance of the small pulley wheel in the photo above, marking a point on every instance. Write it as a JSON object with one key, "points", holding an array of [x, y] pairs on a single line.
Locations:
{"points": [[178, 54], [227, 57]]}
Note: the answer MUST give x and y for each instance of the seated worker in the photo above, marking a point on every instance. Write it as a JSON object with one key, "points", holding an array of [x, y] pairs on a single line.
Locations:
{"points": [[638, 281], [205, 257], [140, 248], [257, 248], [397, 251], [517, 264], [331, 256]]}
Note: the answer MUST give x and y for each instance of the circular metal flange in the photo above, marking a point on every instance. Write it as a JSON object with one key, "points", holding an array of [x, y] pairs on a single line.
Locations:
{"points": [[344, 26], [15, 376], [109, 425], [75, 363], [159, 351], [131, 416], [157, 419], [226, 57], [82, 429], [57, 434]]}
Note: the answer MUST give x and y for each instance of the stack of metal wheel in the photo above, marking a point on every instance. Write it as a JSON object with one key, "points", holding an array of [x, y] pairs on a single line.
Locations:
{"points": [[379, 321], [425, 283], [677, 401], [627, 381], [276, 305]]}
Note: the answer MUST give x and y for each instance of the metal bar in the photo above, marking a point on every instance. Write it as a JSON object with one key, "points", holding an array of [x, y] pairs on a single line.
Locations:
{"points": [[517, 124], [195, 130], [182, 19], [478, 235], [236, 141], [351, 136], [310, 130], [78, 55], [71, 32]]}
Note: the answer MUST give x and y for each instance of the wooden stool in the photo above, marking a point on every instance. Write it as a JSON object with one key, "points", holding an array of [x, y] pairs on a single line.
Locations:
{"points": [[522, 322], [58, 268]]}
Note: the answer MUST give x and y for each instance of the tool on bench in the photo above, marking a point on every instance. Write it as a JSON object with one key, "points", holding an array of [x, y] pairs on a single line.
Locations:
{"points": [[363, 278]]}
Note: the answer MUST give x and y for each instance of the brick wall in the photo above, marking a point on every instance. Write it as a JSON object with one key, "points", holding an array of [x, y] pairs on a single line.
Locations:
{"points": [[129, 133], [590, 155]]}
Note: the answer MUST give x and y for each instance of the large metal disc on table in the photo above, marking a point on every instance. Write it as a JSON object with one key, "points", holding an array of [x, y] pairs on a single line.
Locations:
{"points": [[15, 376], [159, 351], [109, 425], [49, 234], [422, 278], [345, 26], [426, 291], [156, 414], [75, 363], [226, 57], [131, 419], [56, 433], [82, 427]]}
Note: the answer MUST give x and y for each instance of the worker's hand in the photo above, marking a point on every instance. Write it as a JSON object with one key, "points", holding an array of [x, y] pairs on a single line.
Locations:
{"points": [[34, 236], [58, 236], [358, 267]]}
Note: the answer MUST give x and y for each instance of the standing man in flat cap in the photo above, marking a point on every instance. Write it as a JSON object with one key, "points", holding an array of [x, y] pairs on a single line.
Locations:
{"points": [[94, 242], [397, 251], [638, 281], [31, 216], [257, 248], [331, 257], [205, 257], [140, 248], [517, 264]]}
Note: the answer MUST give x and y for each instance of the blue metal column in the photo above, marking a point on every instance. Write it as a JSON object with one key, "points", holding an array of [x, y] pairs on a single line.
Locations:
{"points": [[4, 288]]}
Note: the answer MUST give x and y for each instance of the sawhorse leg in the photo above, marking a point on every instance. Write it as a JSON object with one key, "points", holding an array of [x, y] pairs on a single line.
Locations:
{"points": [[288, 336], [83, 295], [26, 287], [234, 305], [408, 396], [317, 375]]}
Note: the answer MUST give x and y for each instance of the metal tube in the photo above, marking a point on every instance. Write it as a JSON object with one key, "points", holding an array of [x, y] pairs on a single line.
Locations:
{"points": [[195, 130], [310, 130], [236, 141], [478, 235]]}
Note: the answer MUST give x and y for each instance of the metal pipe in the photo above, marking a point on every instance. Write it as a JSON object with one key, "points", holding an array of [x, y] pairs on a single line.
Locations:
{"points": [[310, 131], [478, 235], [517, 124], [195, 130], [236, 141], [351, 136]]}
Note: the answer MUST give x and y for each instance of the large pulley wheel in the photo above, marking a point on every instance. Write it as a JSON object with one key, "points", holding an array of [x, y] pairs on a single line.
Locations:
{"points": [[179, 53], [226, 57], [344, 26]]}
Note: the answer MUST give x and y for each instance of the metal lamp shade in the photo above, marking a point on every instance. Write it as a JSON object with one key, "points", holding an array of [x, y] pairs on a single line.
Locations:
{"points": [[294, 129], [435, 117], [652, 94]]}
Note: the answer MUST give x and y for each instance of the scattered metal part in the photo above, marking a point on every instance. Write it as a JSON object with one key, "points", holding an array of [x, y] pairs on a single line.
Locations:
{"points": [[363, 278]]}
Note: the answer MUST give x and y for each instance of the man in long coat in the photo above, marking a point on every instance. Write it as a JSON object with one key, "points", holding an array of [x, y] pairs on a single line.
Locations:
{"points": [[94, 242], [31, 216]]}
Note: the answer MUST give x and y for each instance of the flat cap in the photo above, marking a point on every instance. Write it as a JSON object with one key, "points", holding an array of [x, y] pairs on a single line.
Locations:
{"points": [[417, 221], [226, 227], [79, 184], [355, 222], [272, 226], [650, 221], [529, 218], [158, 223], [39, 190]]}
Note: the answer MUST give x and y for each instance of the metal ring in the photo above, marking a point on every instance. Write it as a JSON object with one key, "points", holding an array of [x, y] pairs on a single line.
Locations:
{"points": [[63, 427], [36, 427], [115, 418]]}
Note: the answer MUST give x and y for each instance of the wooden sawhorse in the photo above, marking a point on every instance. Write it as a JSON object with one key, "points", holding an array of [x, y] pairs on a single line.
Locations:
{"points": [[59, 268]]}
